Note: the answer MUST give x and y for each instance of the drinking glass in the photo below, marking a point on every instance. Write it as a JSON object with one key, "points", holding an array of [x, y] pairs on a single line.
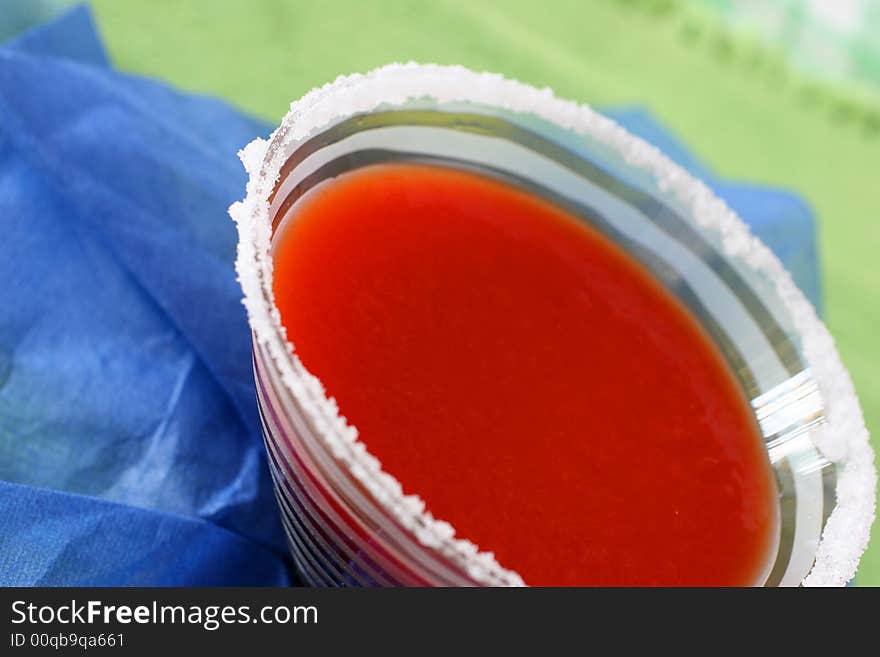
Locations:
{"points": [[347, 521]]}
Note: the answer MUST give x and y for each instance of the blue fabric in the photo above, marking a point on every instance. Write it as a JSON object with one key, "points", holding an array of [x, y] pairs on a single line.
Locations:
{"points": [[129, 438], [129, 441], [19, 15]]}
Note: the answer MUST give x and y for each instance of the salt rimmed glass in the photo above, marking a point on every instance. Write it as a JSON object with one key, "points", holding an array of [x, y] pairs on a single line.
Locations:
{"points": [[347, 521]]}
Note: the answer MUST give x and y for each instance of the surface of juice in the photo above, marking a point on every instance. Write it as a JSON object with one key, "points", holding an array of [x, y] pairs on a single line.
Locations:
{"points": [[526, 378]]}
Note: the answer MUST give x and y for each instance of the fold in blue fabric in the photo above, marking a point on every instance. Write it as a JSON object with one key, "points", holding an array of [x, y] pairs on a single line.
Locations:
{"points": [[129, 439], [130, 451]]}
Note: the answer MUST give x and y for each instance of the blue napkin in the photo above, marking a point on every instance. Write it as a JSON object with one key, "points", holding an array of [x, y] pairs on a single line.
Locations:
{"points": [[18, 15], [130, 451], [129, 442]]}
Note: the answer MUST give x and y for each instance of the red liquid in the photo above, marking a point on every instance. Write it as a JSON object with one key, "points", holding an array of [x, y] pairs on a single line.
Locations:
{"points": [[527, 379]]}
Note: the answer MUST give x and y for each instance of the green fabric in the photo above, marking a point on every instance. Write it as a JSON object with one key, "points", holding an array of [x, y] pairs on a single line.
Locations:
{"points": [[836, 40], [737, 107]]}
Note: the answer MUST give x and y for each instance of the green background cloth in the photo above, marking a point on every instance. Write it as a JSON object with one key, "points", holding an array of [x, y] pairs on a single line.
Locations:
{"points": [[738, 106], [834, 39]]}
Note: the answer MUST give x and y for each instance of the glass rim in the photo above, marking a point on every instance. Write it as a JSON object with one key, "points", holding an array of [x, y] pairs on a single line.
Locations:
{"points": [[843, 439]]}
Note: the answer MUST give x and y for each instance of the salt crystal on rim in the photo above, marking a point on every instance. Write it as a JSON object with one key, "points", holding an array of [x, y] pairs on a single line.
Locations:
{"points": [[843, 440]]}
